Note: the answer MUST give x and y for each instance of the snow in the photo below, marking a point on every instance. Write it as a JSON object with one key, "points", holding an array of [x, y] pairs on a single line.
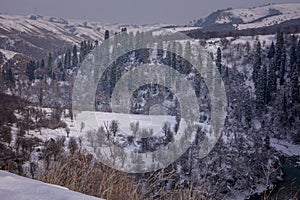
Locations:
{"points": [[14, 187], [73, 31], [8, 54], [285, 147], [93, 120], [261, 16]]}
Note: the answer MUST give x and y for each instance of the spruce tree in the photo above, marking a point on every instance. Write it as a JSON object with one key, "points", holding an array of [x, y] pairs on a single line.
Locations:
{"points": [[261, 89], [282, 65], [75, 56], [30, 68], [271, 81], [298, 57], [49, 65], [278, 54], [295, 93], [293, 55], [271, 52], [106, 35], [257, 64], [219, 60]]}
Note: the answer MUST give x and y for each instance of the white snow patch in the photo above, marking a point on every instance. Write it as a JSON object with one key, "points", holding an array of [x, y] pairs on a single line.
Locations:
{"points": [[285, 147], [8, 54], [14, 187]]}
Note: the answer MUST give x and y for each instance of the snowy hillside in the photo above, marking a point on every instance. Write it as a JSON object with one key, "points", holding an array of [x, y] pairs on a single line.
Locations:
{"points": [[257, 17], [14, 187]]}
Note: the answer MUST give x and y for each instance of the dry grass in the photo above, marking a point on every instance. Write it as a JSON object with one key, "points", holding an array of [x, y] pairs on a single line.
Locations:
{"points": [[81, 173]]}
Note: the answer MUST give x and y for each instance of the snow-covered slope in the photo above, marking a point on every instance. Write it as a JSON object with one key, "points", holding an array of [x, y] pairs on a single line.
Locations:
{"points": [[13, 187], [257, 17], [36, 36]]}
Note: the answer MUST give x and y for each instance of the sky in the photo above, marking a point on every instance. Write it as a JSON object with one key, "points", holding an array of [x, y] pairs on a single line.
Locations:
{"points": [[128, 11]]}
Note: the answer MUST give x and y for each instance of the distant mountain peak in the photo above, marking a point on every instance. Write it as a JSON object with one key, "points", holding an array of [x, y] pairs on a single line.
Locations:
{"points": [[256, 17]]}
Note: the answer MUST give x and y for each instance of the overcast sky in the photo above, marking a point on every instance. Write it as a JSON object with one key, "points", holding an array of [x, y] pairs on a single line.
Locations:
{"points": [[128, 11]]}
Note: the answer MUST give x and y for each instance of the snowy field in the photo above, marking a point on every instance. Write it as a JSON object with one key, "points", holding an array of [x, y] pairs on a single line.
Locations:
{"points": [[14, 187]]}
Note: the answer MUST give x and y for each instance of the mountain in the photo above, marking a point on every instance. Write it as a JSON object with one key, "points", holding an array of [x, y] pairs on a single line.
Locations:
{"points": [[257, 17], [35, 35]]}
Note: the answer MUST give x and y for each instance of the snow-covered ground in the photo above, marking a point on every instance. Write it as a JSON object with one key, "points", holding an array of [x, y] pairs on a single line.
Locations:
{"points": [[14, 187], [261, 16], [8, 54], [285, 147]]}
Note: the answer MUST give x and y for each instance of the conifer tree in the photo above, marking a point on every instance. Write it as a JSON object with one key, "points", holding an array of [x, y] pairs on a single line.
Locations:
{"points": [[75, 56], [282, 66], [271, 52], [279, 49], [218, 60], [106, 35], [271, 81], [257, 64]]}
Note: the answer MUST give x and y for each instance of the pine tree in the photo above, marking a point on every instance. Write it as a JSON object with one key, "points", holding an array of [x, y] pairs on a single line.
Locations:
{"points": [[218, 60]]}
